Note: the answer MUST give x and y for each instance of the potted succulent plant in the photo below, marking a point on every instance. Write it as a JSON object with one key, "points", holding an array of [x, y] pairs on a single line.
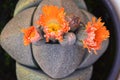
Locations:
{"points": [[59, 37]]}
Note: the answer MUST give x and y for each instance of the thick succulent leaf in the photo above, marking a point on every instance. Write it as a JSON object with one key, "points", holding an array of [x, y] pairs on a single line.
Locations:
{"points": [[25, 4], [12, 38]]}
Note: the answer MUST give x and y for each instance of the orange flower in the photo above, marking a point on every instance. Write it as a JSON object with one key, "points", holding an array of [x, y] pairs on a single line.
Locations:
{"points": [[53, 22], [96, 33], [30, 35]]}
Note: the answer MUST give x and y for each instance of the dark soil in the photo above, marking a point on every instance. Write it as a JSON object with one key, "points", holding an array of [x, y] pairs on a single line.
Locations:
{"points": [[7, 64]]}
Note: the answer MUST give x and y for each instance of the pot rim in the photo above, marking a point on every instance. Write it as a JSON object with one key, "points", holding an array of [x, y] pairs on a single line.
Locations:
{"points": [[109, 4]]}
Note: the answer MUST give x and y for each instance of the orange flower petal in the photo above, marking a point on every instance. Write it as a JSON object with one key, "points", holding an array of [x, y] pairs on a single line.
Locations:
{"points": [[53, 22], [97, 33], [30, 35]]}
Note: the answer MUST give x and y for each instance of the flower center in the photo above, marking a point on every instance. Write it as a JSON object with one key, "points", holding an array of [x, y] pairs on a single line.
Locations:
{"points": [[53, 27]]}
